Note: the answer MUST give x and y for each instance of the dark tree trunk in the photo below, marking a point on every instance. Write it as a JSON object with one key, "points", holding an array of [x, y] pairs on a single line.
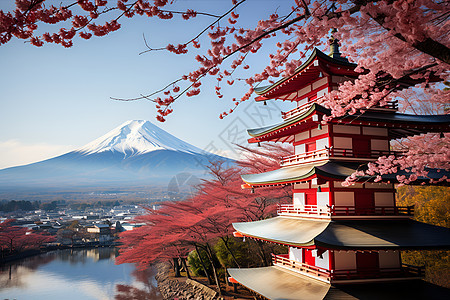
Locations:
{"points": [[225, 241], [176, 267], [203, 266], [183, 262], [211, 259], [262, 253]]}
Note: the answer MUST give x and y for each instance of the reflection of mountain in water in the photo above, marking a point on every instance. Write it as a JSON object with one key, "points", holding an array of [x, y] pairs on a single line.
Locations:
{"points": [[73, 274]]}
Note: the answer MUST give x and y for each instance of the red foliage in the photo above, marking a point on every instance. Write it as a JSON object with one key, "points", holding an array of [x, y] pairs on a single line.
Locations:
{"points": [[16, 238], [174, 229]]}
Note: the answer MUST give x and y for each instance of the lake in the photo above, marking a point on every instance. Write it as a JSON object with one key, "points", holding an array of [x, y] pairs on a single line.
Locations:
{"points": [[76, 274]]}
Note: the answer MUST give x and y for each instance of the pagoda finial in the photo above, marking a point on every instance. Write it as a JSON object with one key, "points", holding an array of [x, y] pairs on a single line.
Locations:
{"points": [[334, 45]]}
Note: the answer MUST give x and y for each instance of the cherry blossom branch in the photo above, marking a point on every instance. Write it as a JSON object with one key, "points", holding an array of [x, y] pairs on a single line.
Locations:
{"points": [[428, 45], [201, 32]]}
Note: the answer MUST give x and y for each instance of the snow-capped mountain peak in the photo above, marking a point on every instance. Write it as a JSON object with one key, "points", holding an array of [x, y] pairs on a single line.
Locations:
{"points": [[138, 137]]}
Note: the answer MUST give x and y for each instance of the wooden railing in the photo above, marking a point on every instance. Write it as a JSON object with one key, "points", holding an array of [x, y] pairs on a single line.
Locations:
{"points": [[335, 153], [297, 111], [307, 156], [304, 210], [404, 271], [376, 211], [345, 210], [284, 261]]}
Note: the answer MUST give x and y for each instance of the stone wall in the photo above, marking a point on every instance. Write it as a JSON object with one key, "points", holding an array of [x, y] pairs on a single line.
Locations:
{"points": [[181, 288]]}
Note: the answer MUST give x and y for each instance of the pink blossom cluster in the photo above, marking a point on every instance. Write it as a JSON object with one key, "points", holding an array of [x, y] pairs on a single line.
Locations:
{"points": [[421, 153]]}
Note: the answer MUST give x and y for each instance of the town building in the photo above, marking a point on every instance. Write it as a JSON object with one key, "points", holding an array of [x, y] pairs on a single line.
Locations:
{"points": [[344, 242]]}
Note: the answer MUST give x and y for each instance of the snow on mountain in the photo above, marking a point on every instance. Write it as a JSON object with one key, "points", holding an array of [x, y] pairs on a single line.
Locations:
{"points": [[135, 154], [138, 137]]}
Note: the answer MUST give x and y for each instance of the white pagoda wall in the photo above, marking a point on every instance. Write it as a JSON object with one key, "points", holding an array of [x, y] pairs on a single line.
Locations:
{"points": [[295, 254], [384, 199], [322, 144], [380, 145], [342, 142], [344, 199], [311, 136], [300, 189], [323, 198], [314, 90], [345, 260], [299, 199], [345, 196], [389, 259], [347, 129], [344, 135], [299, 149], [323, 262], [375, 131]]}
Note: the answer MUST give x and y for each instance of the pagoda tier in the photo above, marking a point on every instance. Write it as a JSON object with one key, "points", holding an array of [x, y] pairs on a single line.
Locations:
{"points": [[346, 234], [305, 126], [279, 283], [318, 191], [324, 171], [347, 251], [319, 75]]}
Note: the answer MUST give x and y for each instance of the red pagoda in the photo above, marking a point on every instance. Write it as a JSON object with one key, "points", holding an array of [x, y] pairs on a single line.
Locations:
{"points": [[344, 242]]}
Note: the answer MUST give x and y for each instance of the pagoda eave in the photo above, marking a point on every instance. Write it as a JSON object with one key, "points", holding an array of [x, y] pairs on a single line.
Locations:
{"points": [[276, 282], [347, 234], [399, 125], [317, 65], [282, 176], [310, 118], [330, 170]]}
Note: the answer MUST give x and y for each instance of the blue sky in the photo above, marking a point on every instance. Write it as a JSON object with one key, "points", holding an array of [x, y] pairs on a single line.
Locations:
{"points": [[54, 100]]}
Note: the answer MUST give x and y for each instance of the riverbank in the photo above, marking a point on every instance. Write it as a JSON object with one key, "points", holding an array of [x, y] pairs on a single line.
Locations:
{"points": [[42, 250], [181, 287]]}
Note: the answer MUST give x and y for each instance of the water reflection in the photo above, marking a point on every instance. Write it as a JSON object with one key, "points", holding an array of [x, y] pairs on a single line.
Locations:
{"points": [[76, 274], [148, 289]]}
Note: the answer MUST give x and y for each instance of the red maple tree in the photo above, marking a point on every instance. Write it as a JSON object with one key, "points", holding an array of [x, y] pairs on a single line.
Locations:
{"points": [[176, 228], [15, 238]]}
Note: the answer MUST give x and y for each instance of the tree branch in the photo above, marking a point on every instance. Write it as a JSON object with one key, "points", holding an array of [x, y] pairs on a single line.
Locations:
{"points": [[427, 46]]}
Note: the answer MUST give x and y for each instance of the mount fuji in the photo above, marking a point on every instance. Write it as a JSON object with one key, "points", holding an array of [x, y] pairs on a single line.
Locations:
{"points": [[136, 153]]}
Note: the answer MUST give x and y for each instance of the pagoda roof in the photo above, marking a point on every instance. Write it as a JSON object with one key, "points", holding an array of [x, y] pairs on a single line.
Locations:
{"points": [[398, 124], [337, 170], [279, 283], [289, 126], [401, 124], [347, 234], [306, 73], [298, 173]]}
